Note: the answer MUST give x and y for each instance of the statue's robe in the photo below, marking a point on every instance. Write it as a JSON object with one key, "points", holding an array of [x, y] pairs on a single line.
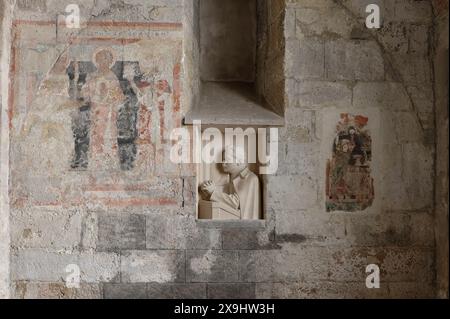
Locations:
{"points": [[243, 195]]}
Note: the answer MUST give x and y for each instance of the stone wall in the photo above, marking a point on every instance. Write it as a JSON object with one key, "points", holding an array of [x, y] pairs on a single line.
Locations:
{"points": [[270, 80], [441, 95], [133, 233], [4, 255], [335, 65], [5, 40], [224, 57]]}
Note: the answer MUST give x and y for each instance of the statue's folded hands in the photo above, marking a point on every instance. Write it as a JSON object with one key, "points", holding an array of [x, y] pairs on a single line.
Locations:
{"points": [[243, 190]]}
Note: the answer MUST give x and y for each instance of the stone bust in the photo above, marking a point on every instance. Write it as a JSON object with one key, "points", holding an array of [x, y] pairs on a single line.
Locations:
{"points": [[243, 190]]}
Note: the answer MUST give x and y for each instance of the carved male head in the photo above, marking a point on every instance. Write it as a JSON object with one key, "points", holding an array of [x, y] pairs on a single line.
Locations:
{"points": [[234, 160]]}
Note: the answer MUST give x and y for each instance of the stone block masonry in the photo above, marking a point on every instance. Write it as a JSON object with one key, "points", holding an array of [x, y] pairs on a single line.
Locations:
{"points": [[126, 216]]}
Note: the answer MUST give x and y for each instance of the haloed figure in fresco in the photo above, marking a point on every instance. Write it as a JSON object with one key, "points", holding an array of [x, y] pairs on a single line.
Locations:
{"points": [[349, 181], [102, 115], [102, 90]]}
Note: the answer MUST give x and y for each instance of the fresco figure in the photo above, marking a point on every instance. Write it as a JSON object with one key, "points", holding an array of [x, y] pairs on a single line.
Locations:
{"points": [[162, 99], [77, 73], [142, 86], [104, 93], [349, 181], [102, 114]]}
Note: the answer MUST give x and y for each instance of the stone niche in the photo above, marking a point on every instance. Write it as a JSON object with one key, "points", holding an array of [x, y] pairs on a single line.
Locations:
{"points": [[236, 65], [238, 196]]}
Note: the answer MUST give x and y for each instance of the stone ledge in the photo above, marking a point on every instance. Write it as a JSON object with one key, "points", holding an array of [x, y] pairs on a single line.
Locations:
{"points": [[229, 103], [255, 224]]}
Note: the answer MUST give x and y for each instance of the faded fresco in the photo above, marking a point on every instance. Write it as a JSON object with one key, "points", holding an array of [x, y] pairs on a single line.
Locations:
{"points": [[93, 125], [121, 121], [349, 183]]}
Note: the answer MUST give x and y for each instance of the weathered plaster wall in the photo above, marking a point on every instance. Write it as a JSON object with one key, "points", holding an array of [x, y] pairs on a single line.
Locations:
{"points": [[4, 253], [95, 217], [5, 40], [134, 233], [441, 95], [191, 53], [4, 249]]}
